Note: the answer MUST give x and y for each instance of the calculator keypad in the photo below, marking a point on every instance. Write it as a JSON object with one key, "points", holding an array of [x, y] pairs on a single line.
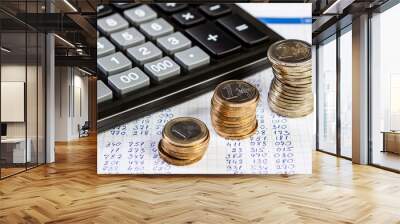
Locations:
{"points": [[114, 63], [156, 28], [162, 69], [103, 92], [112, 23], [127, 38], [144, 53], [214, 40], [139, 48], [104, 47], [174, 43], [192, 58], [140, 14], [128, 81], [188, 17]]}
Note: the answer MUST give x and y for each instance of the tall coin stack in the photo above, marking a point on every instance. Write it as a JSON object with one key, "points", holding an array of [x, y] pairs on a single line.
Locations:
{"points": [[184, 141], [233, 109], [290, 94]]}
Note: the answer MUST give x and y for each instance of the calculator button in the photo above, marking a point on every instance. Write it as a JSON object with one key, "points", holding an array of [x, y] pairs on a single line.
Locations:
{"points": [[123, 6], [242, 29], [144, 53], [104, 47], [103, 10], [112, 23], [215, 10], [140, 14], [114, 63], [162, 69], [188, 17], [103, 92], [156, 28], [127, 38], [173, 43], [171, 7], [214, 40], [192, 58], [129, 81]]}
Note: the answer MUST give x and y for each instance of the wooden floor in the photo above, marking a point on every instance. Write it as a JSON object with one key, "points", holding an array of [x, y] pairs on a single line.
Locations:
{"points": [[69, 191]]}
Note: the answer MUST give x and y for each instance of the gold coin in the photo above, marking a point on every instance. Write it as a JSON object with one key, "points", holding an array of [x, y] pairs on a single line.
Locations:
{"points": [[236, 93], [184, 141], [238, 136], [233, 109], [185, 131], [175, 161]]}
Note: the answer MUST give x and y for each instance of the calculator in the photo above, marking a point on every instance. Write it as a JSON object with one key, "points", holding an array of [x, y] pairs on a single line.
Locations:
{"points": [[153, 56]]}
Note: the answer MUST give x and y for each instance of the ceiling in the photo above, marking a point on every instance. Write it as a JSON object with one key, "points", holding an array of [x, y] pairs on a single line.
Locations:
{"points": [[74, 22], [332, 15]]}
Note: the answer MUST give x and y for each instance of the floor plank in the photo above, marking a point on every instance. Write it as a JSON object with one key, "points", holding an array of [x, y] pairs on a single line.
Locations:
{"points": [[70, 191]]}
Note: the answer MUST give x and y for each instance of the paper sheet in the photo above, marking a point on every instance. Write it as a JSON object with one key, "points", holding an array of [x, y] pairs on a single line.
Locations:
{"points": [[280, 146]]}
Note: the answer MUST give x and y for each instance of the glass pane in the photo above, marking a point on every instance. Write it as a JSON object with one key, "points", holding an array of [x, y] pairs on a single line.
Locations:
{"points": [[346, 93], [327, 96], [31, 99], [385, 84], [41, 99], [314, 86], [32, 89], [13, 87]]}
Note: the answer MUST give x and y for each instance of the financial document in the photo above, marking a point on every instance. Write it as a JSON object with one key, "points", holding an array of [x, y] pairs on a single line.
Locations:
{"points": [[280, 145]]}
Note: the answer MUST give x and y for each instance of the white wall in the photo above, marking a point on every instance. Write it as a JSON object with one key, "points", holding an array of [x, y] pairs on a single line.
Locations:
{"points": [[17, 73], [71, 94], [33, 126]]}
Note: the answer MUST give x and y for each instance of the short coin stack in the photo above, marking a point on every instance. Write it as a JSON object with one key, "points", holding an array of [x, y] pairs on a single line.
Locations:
{"points": [[290, 94], [184, 141], [233, 109]]}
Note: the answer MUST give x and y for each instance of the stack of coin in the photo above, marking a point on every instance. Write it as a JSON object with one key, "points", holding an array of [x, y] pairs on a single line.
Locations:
{"points": [[184, 141], [290, 94], [233, 109]]}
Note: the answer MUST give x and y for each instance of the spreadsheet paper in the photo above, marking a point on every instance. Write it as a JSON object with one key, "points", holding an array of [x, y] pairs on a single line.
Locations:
{"points": [[280, 145]]}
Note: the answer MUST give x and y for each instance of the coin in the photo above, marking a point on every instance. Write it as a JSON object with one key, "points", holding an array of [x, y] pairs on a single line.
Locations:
{"points": [[292, 53], [185, 131], [175, 161], [290, 92], [233, 109], [184, 141], [236, 92]]}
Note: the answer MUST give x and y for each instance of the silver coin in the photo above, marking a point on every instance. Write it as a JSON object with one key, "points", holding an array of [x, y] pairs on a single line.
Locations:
{"points": [[236, 91], [185, 130], [290, 52]]}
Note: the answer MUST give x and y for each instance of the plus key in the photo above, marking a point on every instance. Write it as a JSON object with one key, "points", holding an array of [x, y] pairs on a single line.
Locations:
{"points": [[214, 40]]}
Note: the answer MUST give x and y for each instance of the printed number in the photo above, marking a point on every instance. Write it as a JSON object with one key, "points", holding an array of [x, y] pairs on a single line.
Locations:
{"points": [[161, 66], [100, 45], [156, 26], [127, 36], [140, 12], [115, 60], [129, 77], [173, 40], [144, 51], [111, 22]]}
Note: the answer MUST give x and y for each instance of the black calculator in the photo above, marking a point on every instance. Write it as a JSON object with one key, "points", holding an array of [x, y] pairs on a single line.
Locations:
{"points": [[153, 56]]}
